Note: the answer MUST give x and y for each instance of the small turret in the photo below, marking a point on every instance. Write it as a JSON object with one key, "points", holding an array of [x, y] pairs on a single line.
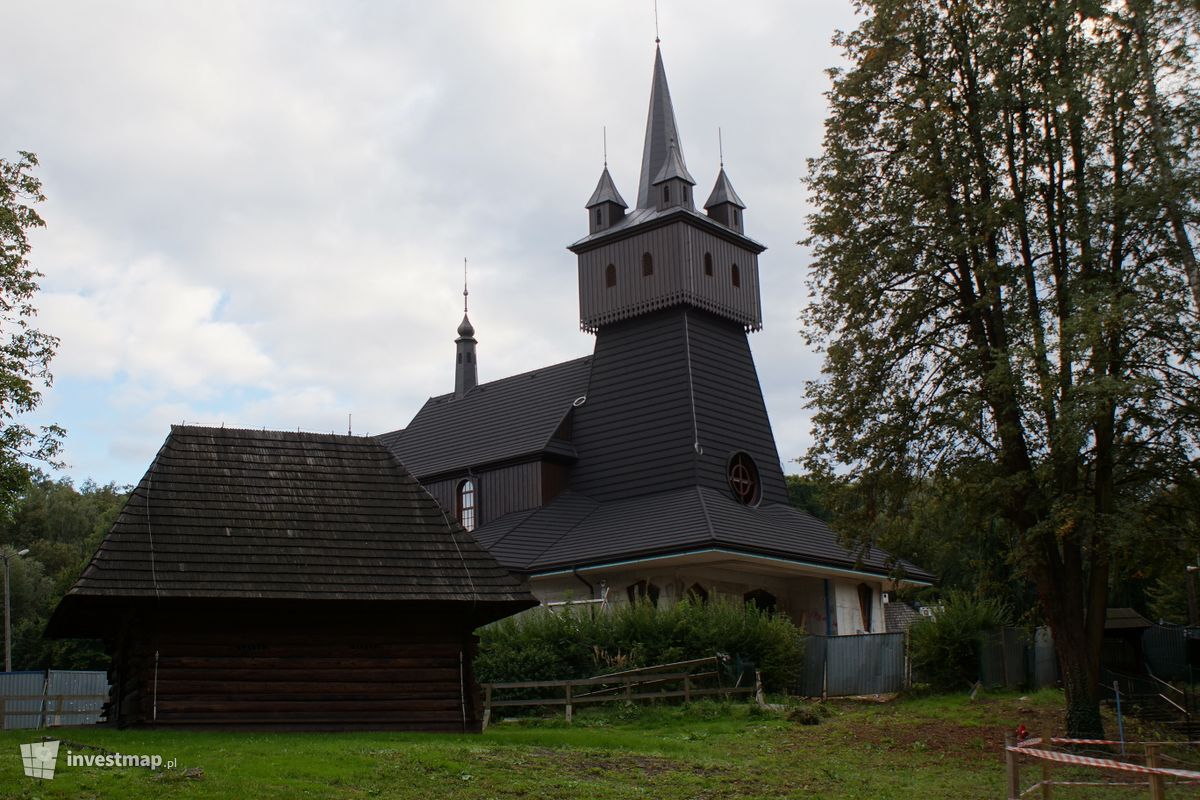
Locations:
{"points": [[673, 184], [724, 205], [466, 374], [606, 206]]}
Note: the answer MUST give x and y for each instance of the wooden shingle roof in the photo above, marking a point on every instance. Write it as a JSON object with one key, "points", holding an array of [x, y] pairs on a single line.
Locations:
{"points": [[225, 513]]}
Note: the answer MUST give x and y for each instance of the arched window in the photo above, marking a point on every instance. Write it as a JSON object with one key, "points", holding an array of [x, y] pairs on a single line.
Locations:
{"points": [[735, 275], [643, 590], [467, 504], [666, 194], [735, 216], [697, 593], [760, 599], [610, 276], [647, 265], [598, 217], [708, 269]]}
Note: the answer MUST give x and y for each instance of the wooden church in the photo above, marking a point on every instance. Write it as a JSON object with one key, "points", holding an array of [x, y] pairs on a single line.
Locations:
{"points": [[268, 579], [649, 468]]}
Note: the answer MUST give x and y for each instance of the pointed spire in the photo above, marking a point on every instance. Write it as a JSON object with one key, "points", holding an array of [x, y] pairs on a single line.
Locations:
{"points": [[661, 132], [723, 192], [606, 192], [466, 374]]}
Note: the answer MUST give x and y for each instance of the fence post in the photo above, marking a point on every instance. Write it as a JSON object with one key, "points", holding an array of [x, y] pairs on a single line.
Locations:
{"points": [[1047, 787], [569, 714], [759, 696], [628, 691], [1014, 769], [1158, 789], [487, 707], [687, 688]]}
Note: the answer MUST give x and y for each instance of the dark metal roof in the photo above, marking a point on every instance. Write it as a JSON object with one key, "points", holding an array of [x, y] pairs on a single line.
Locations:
{"points": [[498, 421], [225, 513], [674, 167], [660, 383], [648, 216], [606, 192], [723, 192], [661, 132], [575, 532]]}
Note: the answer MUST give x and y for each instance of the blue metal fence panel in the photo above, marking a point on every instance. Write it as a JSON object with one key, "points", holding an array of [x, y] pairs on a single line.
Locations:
{"points": [[52, 697], [21, 692], [76, 683]]}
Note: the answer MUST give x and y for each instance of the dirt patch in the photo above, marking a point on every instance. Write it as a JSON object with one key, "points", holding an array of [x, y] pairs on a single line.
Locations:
{"points": [[980, 736]]}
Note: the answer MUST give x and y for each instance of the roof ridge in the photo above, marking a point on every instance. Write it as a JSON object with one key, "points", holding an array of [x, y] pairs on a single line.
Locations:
{"points": [[527, 373]]}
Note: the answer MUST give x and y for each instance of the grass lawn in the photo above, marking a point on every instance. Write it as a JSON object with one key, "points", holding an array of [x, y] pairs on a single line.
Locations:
{"points": [[921, 747]]}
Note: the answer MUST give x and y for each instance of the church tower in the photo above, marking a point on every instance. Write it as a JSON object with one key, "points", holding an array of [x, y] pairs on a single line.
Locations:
{"points": [[671, 294]]}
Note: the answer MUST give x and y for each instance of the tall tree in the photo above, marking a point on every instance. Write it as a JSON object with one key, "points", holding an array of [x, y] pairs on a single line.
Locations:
{"points": [[25, 352], [1001, 291]]}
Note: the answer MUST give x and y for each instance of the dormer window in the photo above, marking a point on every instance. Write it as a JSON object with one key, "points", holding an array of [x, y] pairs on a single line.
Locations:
{"points": [[467, 504], [735, 276], [610, 276], [647, 265]]}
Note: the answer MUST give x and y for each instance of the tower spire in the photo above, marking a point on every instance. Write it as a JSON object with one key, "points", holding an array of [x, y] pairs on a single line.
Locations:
{"points": [[466, 374], [661, 133]]}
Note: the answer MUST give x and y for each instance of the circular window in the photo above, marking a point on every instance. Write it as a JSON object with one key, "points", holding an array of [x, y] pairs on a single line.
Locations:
{"points": [[743, 479]]}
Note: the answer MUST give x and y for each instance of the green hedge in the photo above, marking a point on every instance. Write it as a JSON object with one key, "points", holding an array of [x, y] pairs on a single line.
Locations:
{"points": [[581, 641], [945, 647]]}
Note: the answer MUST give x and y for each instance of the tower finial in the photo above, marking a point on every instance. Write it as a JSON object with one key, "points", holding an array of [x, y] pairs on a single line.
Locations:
{"points": [[604, 133], [464, 284], [656, 39], [721, 147]]}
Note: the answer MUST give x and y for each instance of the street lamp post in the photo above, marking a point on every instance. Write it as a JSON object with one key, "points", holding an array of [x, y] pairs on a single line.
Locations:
{"points": [[8, 556]]}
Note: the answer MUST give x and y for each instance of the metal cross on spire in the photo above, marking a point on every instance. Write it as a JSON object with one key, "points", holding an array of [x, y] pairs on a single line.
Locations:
{"points": [[464, 284]]}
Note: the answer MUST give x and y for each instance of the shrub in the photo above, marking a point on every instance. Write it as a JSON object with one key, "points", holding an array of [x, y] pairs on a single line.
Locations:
{"points": [[582, 641], [945, 647]]}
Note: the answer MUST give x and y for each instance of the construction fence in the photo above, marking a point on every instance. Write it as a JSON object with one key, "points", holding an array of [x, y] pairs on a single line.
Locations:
{"points": [[53, 697]]}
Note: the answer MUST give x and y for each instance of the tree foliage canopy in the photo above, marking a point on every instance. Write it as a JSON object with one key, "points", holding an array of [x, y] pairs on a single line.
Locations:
{"points": [[25, 352], [1004, 284]]}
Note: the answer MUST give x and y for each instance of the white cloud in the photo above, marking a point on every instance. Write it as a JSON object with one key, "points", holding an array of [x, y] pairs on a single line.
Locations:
{"points": [[257, 212]]}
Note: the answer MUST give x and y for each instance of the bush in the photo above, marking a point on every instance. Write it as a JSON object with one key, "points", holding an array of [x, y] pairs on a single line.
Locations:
{"points": [[945, 648], [582, 641]]}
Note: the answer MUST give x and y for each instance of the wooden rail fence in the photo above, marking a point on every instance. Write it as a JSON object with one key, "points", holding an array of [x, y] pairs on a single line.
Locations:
{"points": [[699, 677]]}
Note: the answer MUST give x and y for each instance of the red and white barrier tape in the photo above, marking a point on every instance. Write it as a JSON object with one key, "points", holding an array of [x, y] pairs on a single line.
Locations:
{"points": [[1103, 763]]}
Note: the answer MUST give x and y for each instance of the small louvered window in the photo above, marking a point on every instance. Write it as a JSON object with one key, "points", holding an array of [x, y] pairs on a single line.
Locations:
{"points": [[610, 276], [708, 268], [666, 194], [466, 504], [599, 218], [647, 265], [735, 276]]}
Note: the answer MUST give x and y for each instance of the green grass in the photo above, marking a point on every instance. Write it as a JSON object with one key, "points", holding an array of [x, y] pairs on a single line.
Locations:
{"points": [[920, 747]]}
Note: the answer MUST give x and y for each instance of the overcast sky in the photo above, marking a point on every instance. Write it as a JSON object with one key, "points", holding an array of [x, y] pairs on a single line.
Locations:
{"points": [[257, 212]]}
